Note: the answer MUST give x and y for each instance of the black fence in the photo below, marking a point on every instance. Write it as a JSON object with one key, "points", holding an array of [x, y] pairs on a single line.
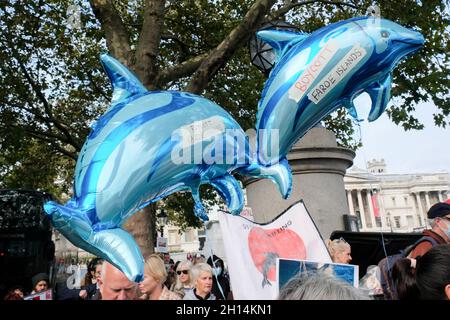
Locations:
{"points": [[26, 246]]}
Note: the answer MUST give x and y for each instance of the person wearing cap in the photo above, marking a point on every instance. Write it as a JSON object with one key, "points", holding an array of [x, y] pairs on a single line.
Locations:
{"points": [[439, 214], [39, 283]]}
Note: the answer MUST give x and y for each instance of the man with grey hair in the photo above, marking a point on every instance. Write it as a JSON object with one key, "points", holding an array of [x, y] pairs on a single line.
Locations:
{"points": [[202, 280], [439, 217], [320, 286], [114, 285]]}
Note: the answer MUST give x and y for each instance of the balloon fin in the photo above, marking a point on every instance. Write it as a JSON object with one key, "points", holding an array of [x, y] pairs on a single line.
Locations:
{"points": [[280, 173], [280, 40], [380, 94], [199, 210], [231, 192], [120, 249], [352, 110], [114, 245], [125, 84]]}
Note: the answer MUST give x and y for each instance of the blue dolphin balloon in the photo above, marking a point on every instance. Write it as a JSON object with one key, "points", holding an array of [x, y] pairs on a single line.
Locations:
{"points": [[316, 74], [146, 146]]}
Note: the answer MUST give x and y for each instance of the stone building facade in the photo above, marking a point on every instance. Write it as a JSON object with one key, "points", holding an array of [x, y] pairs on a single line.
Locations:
{"points": [[402, 199]]}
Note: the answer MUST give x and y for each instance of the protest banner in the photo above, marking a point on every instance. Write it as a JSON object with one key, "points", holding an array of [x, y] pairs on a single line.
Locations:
{"points": [[252, 249]]}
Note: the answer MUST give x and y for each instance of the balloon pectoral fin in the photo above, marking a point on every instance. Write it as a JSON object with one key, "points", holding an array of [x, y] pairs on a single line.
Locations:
{"points": [[199, 210], [380, 94], [231, 192], [119, 248], [280, 173]]}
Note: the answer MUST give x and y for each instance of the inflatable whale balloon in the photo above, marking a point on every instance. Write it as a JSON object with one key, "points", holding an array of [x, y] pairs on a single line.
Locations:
{"points": [[317, 73], [146, 146]]}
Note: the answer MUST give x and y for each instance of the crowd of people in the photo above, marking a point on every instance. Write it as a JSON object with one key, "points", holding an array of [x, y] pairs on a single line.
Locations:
{"points": [[422, 273]]}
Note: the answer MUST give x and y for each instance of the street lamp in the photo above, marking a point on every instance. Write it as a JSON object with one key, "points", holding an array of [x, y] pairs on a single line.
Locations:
{"points": [[162, 220], [261, 53]]}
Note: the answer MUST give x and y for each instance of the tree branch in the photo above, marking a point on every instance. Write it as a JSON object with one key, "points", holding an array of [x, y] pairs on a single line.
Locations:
{"points": [[220, 55], [47, 106], [43, 137], [147, 50], [288, 7], [184, 69], [117, 37]]}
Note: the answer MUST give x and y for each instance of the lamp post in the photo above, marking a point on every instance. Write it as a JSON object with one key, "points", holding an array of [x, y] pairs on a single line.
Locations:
{"points": [[261, 53], [162, 220]]}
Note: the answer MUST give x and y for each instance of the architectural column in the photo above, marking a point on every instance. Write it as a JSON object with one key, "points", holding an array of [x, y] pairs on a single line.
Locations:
{"points": [[419, 205], [427, 201], [441, 199], [416, 211], [361, 209], [350, 202], [371, 213]]}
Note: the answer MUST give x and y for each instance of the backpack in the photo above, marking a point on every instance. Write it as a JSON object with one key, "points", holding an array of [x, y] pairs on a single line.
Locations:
{"points": [[386, 264]]}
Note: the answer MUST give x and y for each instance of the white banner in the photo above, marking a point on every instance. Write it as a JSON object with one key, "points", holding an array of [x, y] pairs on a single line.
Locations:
{"points": [[252, 249], [161, 245]]}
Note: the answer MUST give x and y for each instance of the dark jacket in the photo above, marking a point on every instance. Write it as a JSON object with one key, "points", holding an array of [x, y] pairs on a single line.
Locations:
{"points": [[222, 279]]}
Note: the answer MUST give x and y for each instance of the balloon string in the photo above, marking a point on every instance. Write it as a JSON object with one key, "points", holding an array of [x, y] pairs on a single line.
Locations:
{"points": [[371, 187]]}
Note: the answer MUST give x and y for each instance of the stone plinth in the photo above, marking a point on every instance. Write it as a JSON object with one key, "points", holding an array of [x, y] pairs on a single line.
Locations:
{"points": [[318, 167]]}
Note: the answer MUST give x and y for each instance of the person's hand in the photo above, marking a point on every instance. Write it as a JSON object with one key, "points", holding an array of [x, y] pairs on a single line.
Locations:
{"points": [[83, 294]]}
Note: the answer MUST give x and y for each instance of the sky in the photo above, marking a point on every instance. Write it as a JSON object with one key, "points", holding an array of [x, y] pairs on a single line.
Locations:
{"points": [[413, 151]]}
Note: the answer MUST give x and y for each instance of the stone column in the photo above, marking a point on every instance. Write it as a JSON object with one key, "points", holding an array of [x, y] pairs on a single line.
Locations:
{"points": [[318, 167], [416, 211], [361, 209], [427, 201], [350, 202], [371, 213], [419, 204], [441, 199]]}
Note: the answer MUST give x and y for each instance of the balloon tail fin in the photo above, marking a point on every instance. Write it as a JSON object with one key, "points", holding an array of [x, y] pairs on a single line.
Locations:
{"points": [[231, 192], [280, 173]]}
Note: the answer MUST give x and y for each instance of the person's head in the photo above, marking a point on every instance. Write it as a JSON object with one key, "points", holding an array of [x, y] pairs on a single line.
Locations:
{"points": [[184, 277], [94, 269], [40, 282], [439, 217], [340, 250], [16, 293], [155, 274], [427, 277], [216, 264], [114, 285], [319, 286], [202, 278]]}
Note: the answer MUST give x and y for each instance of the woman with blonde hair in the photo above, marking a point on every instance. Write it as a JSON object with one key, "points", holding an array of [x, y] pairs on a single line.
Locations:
{"points": [[155, 274], [340, 250], [183, 283]]}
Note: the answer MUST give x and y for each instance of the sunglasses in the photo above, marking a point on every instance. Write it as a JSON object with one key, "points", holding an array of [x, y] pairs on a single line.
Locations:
{"points": [[179, 272]]}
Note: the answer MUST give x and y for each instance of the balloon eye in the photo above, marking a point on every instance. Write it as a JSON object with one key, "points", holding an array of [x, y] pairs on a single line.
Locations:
{"points": [[384, 34]]}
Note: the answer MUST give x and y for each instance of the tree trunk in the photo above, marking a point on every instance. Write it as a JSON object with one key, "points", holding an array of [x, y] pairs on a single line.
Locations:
{"points": [[142, 226]]}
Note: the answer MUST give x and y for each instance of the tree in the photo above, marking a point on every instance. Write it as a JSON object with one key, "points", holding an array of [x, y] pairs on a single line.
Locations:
{"points": [[53, 87]]}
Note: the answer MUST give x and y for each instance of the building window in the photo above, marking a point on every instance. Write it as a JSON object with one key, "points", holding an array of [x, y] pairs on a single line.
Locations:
{"points": [[172, 237], [189, 235], [410, 220], [378, 221], [397, 222]]}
